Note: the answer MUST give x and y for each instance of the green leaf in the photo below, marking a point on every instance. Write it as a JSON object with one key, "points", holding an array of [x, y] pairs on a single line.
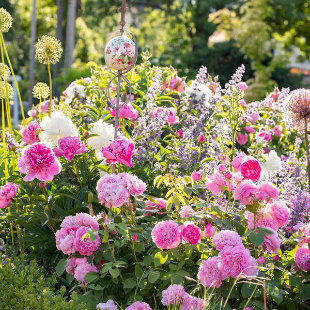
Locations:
{"points": [[114, 272], [129, 283], [61, 267], [160, 258], [95, 287], [256, 238], [138, 271], [305, 292], [91, 277], [153, 276], [105, 236]]}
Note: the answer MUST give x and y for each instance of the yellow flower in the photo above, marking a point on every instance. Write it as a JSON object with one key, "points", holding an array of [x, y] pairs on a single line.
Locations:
{"points": [[6, 90], [48, 50], [4, 72], [41, 90], [5, 20]]}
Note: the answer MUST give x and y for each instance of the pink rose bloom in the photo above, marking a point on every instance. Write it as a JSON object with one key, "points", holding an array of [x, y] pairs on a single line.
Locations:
{"points": [[233, 260], [173, 295], [209, 231], [45, 106], [261, 260], [7, 193], [126, 112], [109, 305], [237, 161], [134, 238], [134, 185], [245, 192], [250, 169], [196, 175], [190, 233], [191, 302], [150, 205], [84, 219], [277, 130], [249, 129], [65, 239], [267, 190], [201, 138], [166, 235], [175, 84], [73, 262], [213, 86], [83, 245], [272, 243], [32, 113], [302, 258], [215, 183], [68, 147], [120, 150], [263, 219], [226, 238], [68, 221], [82, 270], [172, 118], [29, 132], [253, 118], [265, 135], [280, 213], [242, 86], [112, 191], [139, 305], [157, 112], [186, 211], [38, 161], [242, 139], [179, 133], [209, 274]]}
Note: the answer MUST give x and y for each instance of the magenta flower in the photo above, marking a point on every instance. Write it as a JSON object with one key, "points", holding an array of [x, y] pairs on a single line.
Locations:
{"points": [[191, 302], [253, 118], [126, 112], [277, 130], [261, 260], [242, 139], [209, 274], [173, 295], [216, 183], [83, 245], [226, 238], [172, 116], [209, 231], [237, 161], [134, 238], [263, 219], [120, 150], [179, 133], [302, 258], [7, 193], [38, 161], [168, 114], [65, 239], [30, 132], [166, 235], [245, 192], [201, 138], [139, 305], [175, 84], [68, 147], [265, 135], [251, 169], [249, 129], [196, 175], [190, 233]]}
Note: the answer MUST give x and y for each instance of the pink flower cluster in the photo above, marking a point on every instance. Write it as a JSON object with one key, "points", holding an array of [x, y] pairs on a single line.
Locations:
{"points": [[38, 161], [30, 132], [7, 193], [72, 236], [126, 112], [115, 190], [68, 147], [79, 268], [139, 305], [120, 150], [169, 114], [175, 84]]}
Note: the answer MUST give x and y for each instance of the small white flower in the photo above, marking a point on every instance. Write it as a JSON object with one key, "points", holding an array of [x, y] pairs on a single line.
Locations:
{"points": [[104, 135], [55, 127], [273, 162], [199, 91]]}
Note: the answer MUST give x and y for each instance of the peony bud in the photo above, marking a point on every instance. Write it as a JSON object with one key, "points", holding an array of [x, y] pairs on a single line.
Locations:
{"points": [[179, 133]]}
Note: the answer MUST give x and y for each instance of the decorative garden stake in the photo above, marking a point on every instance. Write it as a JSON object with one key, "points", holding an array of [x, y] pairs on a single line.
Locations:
{"points": [[120, 54]]}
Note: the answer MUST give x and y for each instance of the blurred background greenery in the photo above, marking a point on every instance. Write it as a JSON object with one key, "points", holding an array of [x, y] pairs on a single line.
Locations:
{"points": [[271, 37]]}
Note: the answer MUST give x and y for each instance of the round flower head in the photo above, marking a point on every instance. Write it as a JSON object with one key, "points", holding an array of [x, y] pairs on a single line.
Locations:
{"points": [[48, 50], [280, 213], [196, 175], [166, 235], [41, 91], [190, 233], [139, 305], [134, 185], [6, 90], [209, 274], [83, 245], [173, 295], [302, 258], [263, 219], [82, 270], [186, 211], [82, 219], [250, 169], [126, 112], [209, 231], [215, 183], [65, 239], [267, 191], [30, 132], [192, 303], [4, 72], [245, 192], [226, 238], [272, 243], [5, 20], [7, 193], [69, 147], [109, 305], [38, 161]]}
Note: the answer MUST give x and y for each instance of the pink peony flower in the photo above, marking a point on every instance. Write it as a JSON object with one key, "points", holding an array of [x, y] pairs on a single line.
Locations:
{"points": [[84, 219], [280, 213], [277, 130], [201, 138], [173, 295], [134, 185], [169, 114], [30, 133], [126, 112], [190, 233], [69, 147], [186, 211], [242, 86], [192, 303], [209, 274], [263, 219], [302, 258], [267, 190], [272, 243], [226, 238], [172, 118], [209, 231], [196, 175], [38, 161], [139, 305], [82, 270], [166, 235], [150, 205], [245, 192], [250, 169], [237, 161], [73, 262], [120, 150], [65, 239], [179, 133], [242, 139], [253, 118], [249, 129], [7, 193], [83, 245], [109, 305], [216, 183], [45, 106], [265, 135]]}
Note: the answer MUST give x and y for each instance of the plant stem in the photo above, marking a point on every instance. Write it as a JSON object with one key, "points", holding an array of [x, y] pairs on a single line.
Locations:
{"points": [[51, 89], [307, 151], [6, 171]]}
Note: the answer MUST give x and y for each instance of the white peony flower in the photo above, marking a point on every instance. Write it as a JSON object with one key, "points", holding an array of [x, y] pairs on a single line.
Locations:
{"points": [[198, 91], [55, 127], [273, 162], [104, 135]]}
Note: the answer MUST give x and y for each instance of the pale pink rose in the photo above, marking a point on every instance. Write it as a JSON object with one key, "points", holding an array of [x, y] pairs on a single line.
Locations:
{"points": [[250, 169], [242, 86], [69, 147], [192, 302], [302, 258], [272, 242], [186, 211], [280, 213], [249, 129], [166, 235], [209, 274], [277, 130], [237, 161], [82, 270], [172, 118], [265, 135], [45, 106], [190, 233], [263, 219], [126, 112], [30, 132], [173, 295], [209, 231], [245, 192], [242, 139], [150, 205], [134, 185], [226, 238], [7, 193], [65, 239], [216, 183], [84, 219], [267, 191], [253, 117], [73, 262], [83, 245], [196, 175]]}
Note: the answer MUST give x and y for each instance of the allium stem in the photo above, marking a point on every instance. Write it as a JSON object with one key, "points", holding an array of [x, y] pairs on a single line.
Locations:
{"points": [[307, 150], [6, 172], [51, 88]]}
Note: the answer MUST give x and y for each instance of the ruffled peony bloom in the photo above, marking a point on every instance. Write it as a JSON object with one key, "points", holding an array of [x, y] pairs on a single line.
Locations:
{"points": [[192, 303], [82, 270], [126, 112], [83, 219], [245, 192], [209, 231], [226, 238], [166, 235], [215, 183], [186, 211], [250, 169], [242, 139], [280, 213], [265, 135], [267, 191], [109, 305], [73, 262], [30, 133], [102, 134], [139, 305], [65, 239], [302, 258], [196, 175], [69, 147], [209, 274], [273, 162], [173, 295], [83, 245], [112, 191], [272, 243], [7, 193], [38, 161], [237, 161], [190, 233], [134, 185], [120, 150], [55, 127]]}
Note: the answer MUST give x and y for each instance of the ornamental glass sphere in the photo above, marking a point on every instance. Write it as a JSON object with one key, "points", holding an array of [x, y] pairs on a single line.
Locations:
{"points": [[119, 53]]}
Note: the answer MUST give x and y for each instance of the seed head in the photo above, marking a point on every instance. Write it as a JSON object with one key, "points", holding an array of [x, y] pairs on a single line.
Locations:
{"points": [[6, 90], [5, 20], [48, 50], [4, 72], [41, 90]]}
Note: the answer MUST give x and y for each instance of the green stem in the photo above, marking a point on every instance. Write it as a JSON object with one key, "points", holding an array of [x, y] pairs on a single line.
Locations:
{"points": [[51, 88]]}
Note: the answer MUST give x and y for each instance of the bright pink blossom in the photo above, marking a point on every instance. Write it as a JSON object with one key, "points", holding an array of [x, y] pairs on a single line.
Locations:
{"points": [[134, 238], [261, 260], [226, 238], [84, 219], [267, 191], [201, 138], [150, 205], [126, 112], [38, 161], [196, 175], [179, 133], [272, 242], [279, 212], [209, 274], [82, 270], [175, 84], [7, 193], [120, 150], [169, 114], [251, 169], [30, 132], [253, 118], [83, 245], [277, 130], [65, 239], [209, 231], [242, 102], [245, 192], [302, 258], [237, 161], [216, 183], [265, 135], [190, 233], [249, 129], [68, 147], [263, 219], [173, 295], [242, 86], [166, 235], [242, 139], [139, 305]]}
